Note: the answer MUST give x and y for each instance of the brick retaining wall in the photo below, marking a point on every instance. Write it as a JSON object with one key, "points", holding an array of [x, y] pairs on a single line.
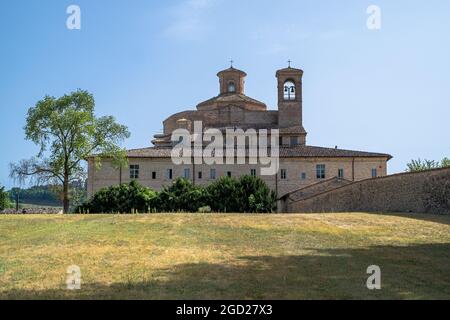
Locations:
{"points": [[407, 192]]}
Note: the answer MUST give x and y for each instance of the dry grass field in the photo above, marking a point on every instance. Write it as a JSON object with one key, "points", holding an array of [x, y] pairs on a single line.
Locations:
{"points": [[181, 256]]}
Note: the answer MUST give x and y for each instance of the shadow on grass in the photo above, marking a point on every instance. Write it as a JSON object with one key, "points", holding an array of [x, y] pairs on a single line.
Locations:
{"points": [[413, 272]]}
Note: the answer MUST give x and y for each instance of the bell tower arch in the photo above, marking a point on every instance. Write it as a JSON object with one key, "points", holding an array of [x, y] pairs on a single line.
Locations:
{"points": [[290, 106]]}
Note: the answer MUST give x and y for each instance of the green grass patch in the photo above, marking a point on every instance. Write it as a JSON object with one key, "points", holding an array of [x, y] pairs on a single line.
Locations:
{"points": [[207, 256]]}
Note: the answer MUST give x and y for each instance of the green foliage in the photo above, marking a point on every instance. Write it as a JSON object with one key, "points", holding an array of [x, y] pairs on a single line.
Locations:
{"points": [[181, 196], [124, 198], [226, 195], [67, 132], [49, 195], [445, 163], [246, 195], [256, 195], [5, 203], [419, 165], [423, 165], [38, 195]]}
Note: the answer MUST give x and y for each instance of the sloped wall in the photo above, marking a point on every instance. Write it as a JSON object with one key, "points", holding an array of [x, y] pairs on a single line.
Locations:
{"points": [[310, 191], [421, 192]]}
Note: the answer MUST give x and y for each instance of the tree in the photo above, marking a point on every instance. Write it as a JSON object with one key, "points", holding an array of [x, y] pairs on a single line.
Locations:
{"points": [[67, 132], [4, 199], [445, 163], [419, 165]]}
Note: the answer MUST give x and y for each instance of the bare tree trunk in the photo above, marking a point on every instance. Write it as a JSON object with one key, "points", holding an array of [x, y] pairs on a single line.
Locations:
{"points": [[66, 194]]}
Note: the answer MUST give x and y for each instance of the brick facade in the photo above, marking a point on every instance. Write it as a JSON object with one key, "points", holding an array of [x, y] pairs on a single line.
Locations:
{"points": [[233, 109], [357, 169]]}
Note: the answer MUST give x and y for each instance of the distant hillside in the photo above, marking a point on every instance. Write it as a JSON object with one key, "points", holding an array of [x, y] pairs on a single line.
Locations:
{"points": [[46, 196]]}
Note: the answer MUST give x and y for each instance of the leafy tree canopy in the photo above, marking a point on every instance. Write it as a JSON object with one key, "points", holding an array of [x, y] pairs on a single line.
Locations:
{"points": [[67, 132]]}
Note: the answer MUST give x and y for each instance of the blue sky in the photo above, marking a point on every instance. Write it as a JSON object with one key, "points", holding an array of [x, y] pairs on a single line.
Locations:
{"points": [[382, 90]]}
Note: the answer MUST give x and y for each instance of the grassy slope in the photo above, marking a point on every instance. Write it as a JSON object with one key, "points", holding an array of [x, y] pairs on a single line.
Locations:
{"points": [[225, 256]]}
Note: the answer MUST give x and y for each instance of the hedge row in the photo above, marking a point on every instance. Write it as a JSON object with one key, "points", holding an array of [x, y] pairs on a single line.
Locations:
{"points": [[244, 195]]}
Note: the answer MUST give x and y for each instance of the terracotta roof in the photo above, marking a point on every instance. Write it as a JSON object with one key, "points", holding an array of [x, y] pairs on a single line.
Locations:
{"points": [[293, 130], [289, 69], [232, 69], [230, 98], [310, 151], [285, 152]]}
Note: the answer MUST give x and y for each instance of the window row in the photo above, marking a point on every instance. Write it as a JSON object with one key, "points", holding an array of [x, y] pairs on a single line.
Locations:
{"points": [[320, 173], [134, 173]]}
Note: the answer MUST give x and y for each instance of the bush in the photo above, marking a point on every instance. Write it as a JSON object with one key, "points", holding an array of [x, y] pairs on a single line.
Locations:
{"points": [[246, 195], [5, 203], [123, 198], [225, 195], [256, 195], [181, 196]]}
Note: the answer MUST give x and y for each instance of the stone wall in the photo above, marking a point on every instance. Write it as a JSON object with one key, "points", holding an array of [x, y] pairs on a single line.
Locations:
{"points": [[421, 192], [33, 211]]}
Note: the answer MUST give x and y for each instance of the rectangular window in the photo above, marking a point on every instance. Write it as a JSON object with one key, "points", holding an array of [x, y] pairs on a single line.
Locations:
{"points": [[341, 173], [212, 174], [169, 174], [187, 173], [154, 175], [283, 174], [294, 141], [303, 176], [134, 171], [229, 174], [374, 173], [320, 171], [200, 175], [280, 141], [253, 172]]}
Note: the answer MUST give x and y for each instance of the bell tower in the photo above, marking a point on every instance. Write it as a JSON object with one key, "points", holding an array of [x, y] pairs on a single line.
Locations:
{"points": [[290, 104]]}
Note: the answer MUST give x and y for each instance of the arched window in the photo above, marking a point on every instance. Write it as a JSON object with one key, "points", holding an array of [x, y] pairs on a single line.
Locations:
{"points": [[231, 86], [289, 90]]}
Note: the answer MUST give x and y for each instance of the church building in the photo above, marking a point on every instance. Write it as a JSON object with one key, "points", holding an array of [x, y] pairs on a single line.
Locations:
{"points": [[300, 165]]}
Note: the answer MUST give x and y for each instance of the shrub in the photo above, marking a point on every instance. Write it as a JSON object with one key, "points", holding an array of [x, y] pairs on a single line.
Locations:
{"points": [[226, 195], [123, 198], [256, 195], [244, 195], [181, 196], [5, 202]]}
